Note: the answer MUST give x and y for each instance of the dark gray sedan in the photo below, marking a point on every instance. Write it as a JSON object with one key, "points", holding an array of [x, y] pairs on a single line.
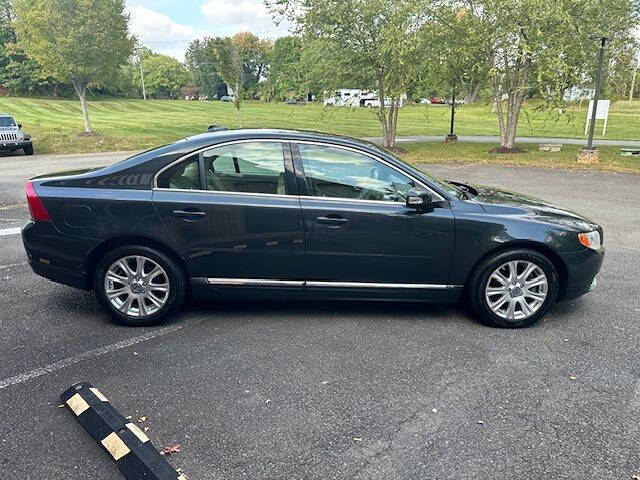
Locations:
{"points": [[270, 213]]}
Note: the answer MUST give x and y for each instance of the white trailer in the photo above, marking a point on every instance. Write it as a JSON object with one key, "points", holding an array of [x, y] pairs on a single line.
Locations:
{"points": [[345, 97]]}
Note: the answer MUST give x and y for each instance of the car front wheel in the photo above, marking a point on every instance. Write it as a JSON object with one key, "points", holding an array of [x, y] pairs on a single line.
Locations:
{"points": [[139, 286], [28, 150], [513, 289]]}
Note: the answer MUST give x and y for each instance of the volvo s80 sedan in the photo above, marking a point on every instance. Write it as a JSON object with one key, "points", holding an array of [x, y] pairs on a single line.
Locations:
{"points": [[271, 213]]}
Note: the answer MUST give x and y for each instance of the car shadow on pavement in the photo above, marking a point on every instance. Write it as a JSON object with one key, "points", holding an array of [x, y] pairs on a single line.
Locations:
{"points": [[84, 306], [298, 310]]}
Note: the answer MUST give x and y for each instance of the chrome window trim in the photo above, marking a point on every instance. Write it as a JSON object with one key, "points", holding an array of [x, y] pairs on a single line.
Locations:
{"points": [[288, 141], [370, 155], [250, 194], [265, 282]]}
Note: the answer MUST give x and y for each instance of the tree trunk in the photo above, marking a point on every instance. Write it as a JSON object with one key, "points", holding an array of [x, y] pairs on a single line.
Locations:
{"points": [[237, 103], [388, 124], [81, 90]]}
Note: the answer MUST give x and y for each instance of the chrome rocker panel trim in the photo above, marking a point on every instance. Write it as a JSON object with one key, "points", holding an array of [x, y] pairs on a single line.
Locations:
{"points": [[262, 282]]}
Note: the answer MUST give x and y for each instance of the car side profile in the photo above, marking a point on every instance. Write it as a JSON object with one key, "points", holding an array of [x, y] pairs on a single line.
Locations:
{"points": [[272, 213]]}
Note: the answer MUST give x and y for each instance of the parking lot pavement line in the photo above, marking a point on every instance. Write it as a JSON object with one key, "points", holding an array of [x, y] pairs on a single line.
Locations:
{"points": [[11, 265], [66, 362], [5, 232]]}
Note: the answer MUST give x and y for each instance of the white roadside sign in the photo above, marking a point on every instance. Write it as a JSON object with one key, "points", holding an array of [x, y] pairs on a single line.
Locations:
{"points": [[602, 113]]}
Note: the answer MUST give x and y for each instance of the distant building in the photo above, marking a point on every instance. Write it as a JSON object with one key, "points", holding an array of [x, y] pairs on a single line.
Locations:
{"points": [[575, 94]]}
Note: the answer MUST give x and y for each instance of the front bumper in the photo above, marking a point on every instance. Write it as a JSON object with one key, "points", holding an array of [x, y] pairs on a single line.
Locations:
{"points": [[14, 145], [582, 268]]}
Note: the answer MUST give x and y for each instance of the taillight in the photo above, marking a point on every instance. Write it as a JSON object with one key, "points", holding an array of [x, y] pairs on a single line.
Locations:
{"points": [[36, 208]]}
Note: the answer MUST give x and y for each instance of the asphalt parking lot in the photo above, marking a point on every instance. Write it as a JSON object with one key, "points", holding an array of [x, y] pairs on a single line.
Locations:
{"points": [[277, 390]]}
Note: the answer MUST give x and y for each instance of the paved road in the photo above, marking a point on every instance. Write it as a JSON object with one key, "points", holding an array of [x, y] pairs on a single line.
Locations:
{"points": [[319, 390]]}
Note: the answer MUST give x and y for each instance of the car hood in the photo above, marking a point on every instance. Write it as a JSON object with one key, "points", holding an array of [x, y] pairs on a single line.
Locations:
{"points": [[11, 129], [503, 202]]}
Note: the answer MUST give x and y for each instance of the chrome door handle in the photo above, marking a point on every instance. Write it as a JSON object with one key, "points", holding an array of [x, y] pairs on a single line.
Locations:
{"points": [[188, 213], [332, 222]]}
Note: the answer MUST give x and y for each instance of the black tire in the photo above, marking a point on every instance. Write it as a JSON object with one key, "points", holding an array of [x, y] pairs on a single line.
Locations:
{"points": [[28, 150], [175, 276], [480, 277]]}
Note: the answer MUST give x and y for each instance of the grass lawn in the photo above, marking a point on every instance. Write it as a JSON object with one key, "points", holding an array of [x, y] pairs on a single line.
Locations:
{"points": [[138, 124], [478, 154]]}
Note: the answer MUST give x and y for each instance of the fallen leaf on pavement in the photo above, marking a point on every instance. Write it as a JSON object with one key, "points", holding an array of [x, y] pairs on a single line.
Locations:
{"points": [[572, 378], [434, 410], [142, 419], [480, 422], [357, 439], [170, 450]]}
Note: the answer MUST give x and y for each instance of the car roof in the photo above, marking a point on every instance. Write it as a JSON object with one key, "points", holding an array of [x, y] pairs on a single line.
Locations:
{"points": [[262, 133]]}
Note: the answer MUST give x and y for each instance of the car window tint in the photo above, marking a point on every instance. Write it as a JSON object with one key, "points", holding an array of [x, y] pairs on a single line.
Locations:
{"points": [[184, 176], [339, 173], [251, 167]]}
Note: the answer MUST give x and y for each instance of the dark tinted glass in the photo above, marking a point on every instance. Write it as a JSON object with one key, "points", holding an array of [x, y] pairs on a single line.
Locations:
{"points": [[183, 176], [249, 167]]}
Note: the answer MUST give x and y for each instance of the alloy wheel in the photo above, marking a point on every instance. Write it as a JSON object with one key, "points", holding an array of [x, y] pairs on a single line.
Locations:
{"points": [[137, 286], [516, 290]]}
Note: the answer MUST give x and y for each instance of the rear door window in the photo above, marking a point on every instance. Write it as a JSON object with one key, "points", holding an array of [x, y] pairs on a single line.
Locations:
{"points": [[248, 167], [183, 176]]}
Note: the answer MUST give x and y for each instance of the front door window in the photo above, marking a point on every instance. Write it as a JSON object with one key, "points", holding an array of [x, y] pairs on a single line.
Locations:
{"points": [[339, 173]]}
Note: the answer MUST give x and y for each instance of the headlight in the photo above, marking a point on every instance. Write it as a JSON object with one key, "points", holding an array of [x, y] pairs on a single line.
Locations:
{"points": [[20, 136], [590, 240]]}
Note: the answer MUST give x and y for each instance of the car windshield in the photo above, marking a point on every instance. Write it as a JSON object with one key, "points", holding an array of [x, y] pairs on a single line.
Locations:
{"points": [[448, 187], [7, 122]]}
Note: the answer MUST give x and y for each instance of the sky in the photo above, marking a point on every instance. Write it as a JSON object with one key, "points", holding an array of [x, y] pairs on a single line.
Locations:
{"points": [[167, 26]]}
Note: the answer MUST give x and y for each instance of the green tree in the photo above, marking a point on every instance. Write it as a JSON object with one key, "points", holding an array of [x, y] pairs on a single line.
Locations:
{"points": [[453, 56], [76, 41], [537, 44], [201, 62], [287, 72], [19, 74], [254, 54], [231, 70], [164, 76], [362, 43]]}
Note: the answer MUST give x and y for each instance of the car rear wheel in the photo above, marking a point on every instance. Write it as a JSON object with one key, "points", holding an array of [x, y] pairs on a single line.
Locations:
{"points": [[139, 286], [28, 150], [513, 289]]}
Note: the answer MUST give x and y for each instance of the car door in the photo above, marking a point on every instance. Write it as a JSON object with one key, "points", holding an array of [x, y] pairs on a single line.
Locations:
{"points": [[358, 229], [234, 213]]}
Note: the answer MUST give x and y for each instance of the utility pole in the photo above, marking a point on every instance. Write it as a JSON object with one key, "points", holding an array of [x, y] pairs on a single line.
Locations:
{"points": [[633, 81], [596, 96], [452, 137], [144, 90]]}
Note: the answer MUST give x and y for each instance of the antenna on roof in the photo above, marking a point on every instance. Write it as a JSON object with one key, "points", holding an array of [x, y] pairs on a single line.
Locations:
{"points": [[216, 128]]}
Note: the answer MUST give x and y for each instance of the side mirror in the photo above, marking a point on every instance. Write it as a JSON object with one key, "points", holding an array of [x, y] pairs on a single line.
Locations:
{"points": [[19, 125], [419, 198]]}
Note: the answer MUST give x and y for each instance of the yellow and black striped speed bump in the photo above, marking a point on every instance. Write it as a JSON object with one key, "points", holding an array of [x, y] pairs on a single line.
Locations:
{"points": [[129, 446]]}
